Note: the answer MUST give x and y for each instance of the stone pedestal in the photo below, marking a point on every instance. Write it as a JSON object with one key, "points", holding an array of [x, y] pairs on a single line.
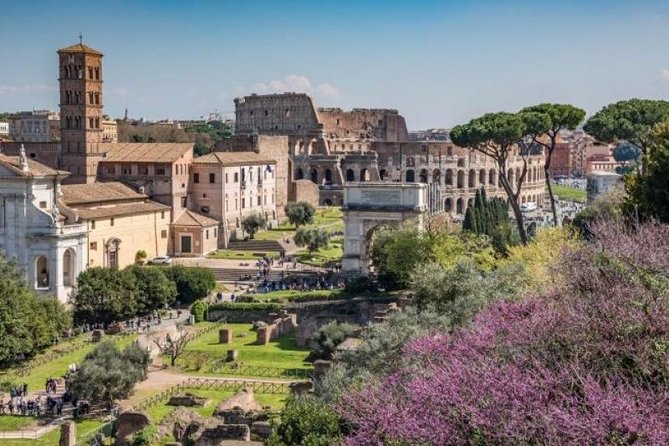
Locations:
{"points": [[68, 434], [224, 336], [321, 367], [232, 355]]}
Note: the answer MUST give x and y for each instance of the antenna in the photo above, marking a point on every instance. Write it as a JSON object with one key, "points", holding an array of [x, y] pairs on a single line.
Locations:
{"points": [[81, 38]]}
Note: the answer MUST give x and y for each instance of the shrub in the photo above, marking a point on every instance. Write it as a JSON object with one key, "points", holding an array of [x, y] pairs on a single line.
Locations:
{"points": [[300, 213], [105, 295], [359, 285], [198, 310], [140, 257], [245, 306], [154, 289], [313, 238], [328, 337], [192, 283], [306, 422], [253, 223]]}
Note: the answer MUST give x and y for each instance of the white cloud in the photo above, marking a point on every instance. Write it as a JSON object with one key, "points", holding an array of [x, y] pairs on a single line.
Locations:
{"points": [[25, 88], [294, 83], [665, 74]]}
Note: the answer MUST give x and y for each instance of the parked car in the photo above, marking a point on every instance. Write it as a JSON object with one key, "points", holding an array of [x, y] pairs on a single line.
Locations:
{"points": [[161, 260]]}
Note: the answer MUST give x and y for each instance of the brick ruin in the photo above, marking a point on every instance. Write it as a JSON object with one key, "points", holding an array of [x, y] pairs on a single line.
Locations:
{"points": [[279, 324]]}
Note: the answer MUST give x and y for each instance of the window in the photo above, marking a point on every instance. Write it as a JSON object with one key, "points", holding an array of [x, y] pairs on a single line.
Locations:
{"points": [[42, 204], [204, 195], [160, 170], [204, 209], [212, 177], [196, 178], [111, 222], [183, 202], [236, 178], [163, 233], [226, 177], [162, 215], [243, 202], [92, 224], [94, 246], [206, 234], [127, 170], [143, 170], [259, 200], [215, 233]]}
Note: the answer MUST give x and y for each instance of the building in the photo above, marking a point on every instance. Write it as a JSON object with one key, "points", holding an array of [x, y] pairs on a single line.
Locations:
{"points": [[109, 130], [34, 126], [35, 229], [230, 186], [600, 182], [563, 160], [119, 223], [195, 234], [4, 129]]}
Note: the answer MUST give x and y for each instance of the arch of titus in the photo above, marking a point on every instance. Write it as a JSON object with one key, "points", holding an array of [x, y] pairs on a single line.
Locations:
{"points": [[368, 206]]}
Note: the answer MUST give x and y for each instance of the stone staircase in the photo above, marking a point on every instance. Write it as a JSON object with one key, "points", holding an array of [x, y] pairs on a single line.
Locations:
{"points": [[256, 245], [238, 274]]}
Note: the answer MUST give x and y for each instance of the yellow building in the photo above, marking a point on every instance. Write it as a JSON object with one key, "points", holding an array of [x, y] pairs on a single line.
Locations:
{"points": [[119, 221]]}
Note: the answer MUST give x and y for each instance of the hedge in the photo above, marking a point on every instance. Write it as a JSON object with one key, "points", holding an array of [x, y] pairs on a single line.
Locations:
{"points": [[245, 306]]}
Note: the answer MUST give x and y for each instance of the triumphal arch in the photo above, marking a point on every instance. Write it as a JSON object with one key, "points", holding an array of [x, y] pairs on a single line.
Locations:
{"points": [[372, 205]]}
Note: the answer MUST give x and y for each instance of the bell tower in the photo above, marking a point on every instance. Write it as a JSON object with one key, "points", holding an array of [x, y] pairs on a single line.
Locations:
{"points": [[80, 79]]}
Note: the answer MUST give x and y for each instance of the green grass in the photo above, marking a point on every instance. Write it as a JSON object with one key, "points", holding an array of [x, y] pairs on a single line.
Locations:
{"points": [[51, 439], [293, 295], [239, 255], [17, 422], [332, 253], [330, 219], [569, 193], [280, 353], [158, 412]]}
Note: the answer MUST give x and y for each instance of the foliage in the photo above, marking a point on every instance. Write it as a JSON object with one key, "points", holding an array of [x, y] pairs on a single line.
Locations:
{"points": [[491, 218], [649, 190], [306, 422], [198, 310], [328, 337], [625, 152], [583, 363], [173, 346], [192, 282], [300, 213], [253, 223], [140, 256], [28, 323], [154, 289], [358, 285], [630, 120], [396, 252], [144, 437], [607, 206], [105, 295], [245, 306], [313, 238], [108, 374]]}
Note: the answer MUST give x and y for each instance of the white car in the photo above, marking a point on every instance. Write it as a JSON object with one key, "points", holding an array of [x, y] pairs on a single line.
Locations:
{"points": [[162, 260]]}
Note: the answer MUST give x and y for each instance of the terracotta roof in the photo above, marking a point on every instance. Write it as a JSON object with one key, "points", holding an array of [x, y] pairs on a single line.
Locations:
{"points": [[77, 194], [190, 218], [117, 210], [35, 169], [145, 152], [234, 159], [79, 48]]}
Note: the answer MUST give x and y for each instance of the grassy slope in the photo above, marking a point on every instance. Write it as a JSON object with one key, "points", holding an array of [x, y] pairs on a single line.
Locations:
{"points": [[569, 193], [51, 439]]}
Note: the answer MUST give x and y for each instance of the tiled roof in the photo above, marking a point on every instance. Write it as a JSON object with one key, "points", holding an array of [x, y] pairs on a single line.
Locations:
{"points": [[80, 48], [234, 159], [145, 152], [117, 210], [34, 168], [77, 194], [190, 218]]}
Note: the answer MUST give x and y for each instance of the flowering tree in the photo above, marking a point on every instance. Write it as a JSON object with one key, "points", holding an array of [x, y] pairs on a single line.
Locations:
{"points": [[584, 363]]}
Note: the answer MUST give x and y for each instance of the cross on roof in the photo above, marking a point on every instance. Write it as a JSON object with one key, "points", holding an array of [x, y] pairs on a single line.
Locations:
{"points": [[81, 38]]}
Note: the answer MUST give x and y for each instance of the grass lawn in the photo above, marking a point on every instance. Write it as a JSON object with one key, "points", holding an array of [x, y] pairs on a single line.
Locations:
{"points": [[293, 295], [568, 193], [17, 423], [281, 353], [238, 255], [158, 412], [332, 253], [51, 439], [330, 219]]}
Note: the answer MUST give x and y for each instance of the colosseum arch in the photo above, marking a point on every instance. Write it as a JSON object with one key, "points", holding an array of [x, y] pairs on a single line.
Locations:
{"points": [[364, 174], [460, 206], [448, 177], [383, 174], [492, 177], [423, 176], [448, 205], [350, 175], [471, 178], [436, 176], [410, 176], [299, 175], [482, 177], [461, 179]]}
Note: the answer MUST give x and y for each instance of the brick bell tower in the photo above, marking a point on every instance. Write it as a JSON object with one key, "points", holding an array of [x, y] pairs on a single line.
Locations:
{"points": [[80, 79]]}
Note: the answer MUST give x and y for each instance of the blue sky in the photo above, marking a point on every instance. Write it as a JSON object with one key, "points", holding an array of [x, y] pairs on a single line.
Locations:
{"points": [[438, 62]]}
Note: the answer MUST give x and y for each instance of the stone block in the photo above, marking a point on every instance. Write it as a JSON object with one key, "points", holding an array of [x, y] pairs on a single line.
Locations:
{"points": [[68, 434], [224, 336], [232, 355], [214, 435], [127, 424], [187, 400], [263, 429]]}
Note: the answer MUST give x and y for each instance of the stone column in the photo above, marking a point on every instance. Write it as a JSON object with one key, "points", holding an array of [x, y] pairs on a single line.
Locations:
{"points": [[68, 434], [224, 336]]}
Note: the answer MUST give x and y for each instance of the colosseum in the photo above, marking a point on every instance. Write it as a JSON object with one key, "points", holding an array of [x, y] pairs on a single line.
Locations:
{"points": [[327, 147]]}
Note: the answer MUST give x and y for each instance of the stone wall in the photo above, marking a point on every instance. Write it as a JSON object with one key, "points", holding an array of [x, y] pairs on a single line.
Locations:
{"points": [[127, 424], [47, 153], [281, 324], [275, 113], [304, 190]]}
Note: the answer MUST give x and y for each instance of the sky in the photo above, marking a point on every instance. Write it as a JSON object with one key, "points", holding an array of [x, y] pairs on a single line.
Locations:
{"points": [[439, 62]]}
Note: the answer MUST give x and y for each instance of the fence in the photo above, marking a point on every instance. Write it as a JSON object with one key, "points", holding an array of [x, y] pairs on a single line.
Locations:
{"points": [[100, 436], [214, 384], [225, 368]]}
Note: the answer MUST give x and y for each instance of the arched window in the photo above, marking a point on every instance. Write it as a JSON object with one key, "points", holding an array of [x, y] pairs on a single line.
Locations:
{"points": [[410, 176], [300, 174], [461, 179], [436, 176], [383, 174], [459, 206], [69, 272], [410, 161], [492, 177], [482, 177], [448, 205], [510, 177], [350, 175], [423, 176], [364, 174], [41, 272], [112, 248], [328, 176], [314, 176], [471, 178], [448, 177]]}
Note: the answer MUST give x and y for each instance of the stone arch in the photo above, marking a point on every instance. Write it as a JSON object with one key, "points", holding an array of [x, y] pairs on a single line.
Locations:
{"points": [[383, 174], [314, 176], [112, 252], [41, 272], [492, 177], [471, 178], [327, 202], [423, 176], [364, 174], [459, 206], [448, 177], [461, 179], [410, 176], [350, 175], [482, 177], [69, 267], [436, 176], [448, 205], [300, 174], [328, 176]]}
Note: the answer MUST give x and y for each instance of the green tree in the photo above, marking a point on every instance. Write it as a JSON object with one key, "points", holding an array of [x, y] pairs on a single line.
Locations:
{"points": [[107, 374], [105, 295], [649, 190], [300, 213], [50, 319], [491, 218], [154, 289], [328, 337], [501, 136], [198, 310], [192, 282], [396, 252], [313, 238], [631, 120], [253, 223], [306, 422], [17, 303], [560, 117]]}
